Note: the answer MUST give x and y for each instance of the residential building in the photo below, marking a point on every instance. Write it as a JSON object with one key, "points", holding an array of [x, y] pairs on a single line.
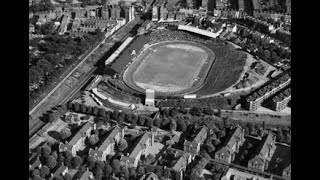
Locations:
{"points": [[261, 159], [150, 176], [180, 165], [78, 140], [35, 163], [231, 146], [193, 146], [87, 175], [140, 148], [107, 146], [280, 101], [254, 100], [287, 172], [234, 174], [60, 172]]}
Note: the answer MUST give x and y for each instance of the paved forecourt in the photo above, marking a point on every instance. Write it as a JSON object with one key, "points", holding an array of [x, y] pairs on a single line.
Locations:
{"points": [[170, 67]]}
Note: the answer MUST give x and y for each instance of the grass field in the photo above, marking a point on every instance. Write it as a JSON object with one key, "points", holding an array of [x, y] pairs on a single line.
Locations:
{"points": [[169, 67], [225, 71]]}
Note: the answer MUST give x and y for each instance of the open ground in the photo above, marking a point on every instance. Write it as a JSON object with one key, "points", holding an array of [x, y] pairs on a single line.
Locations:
{"points": [[169, 67]]}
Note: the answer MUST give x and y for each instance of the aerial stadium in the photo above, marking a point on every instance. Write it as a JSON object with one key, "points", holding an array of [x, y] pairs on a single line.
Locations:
{"points": [[175, 63]]}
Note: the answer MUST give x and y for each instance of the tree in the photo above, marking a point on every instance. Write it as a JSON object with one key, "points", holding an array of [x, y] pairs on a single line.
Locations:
{"points": [[44, 171], [267, 54], [76, 107], [141, 170], [68, 158], [279, 135], [89, 109], [67, 176], [288, 138], [134, 122], [128, 117], [102, 112], [210, 148], [45, 66], [141, 120], [148, 122], [76, 162], [50, 162], [46, 150], [172, 125], [195, 111], [116, 165], [54, 154], [97, 173], [158, 171], [124, 172], [91, 162], [100, 165], [60, 159], [83, 108], [122, 145], [114, 115], [95, 111], [173, 112], [35, 75], [69, 1], [157, 122], [54, 116], [70, 105], [108, 170], [36, 172], [132, 173], [65, 133], [93, 139]]}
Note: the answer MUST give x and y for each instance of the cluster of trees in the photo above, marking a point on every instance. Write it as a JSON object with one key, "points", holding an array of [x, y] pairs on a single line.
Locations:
{"points": [[51, 159], [261, 47], [57, 53], [216, 102], [42, 5], [196, 171], [112, 167], [256, 26], [57, 112]]}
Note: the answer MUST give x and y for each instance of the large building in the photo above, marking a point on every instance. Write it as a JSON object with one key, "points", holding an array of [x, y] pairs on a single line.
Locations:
{"points": [[261, 159], [233, 174], [108, 145], [231, 146], [281, 101], [253, 101], [78, 140], [140, 148], [193, 146]]}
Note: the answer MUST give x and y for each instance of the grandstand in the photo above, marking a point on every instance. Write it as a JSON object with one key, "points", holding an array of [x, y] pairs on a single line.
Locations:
{"points": [[119, 50], [199, 31]]}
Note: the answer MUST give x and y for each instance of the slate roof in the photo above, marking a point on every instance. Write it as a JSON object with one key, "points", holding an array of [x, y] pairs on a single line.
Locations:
{"points": [[137, 148], [106, 142]]}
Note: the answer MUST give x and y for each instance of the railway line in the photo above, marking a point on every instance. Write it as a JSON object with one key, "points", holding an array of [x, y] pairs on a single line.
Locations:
{"points": [[119, 36]]}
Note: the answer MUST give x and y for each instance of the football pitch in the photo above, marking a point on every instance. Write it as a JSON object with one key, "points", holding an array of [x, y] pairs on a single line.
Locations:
{"points": [[170, 67]]}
